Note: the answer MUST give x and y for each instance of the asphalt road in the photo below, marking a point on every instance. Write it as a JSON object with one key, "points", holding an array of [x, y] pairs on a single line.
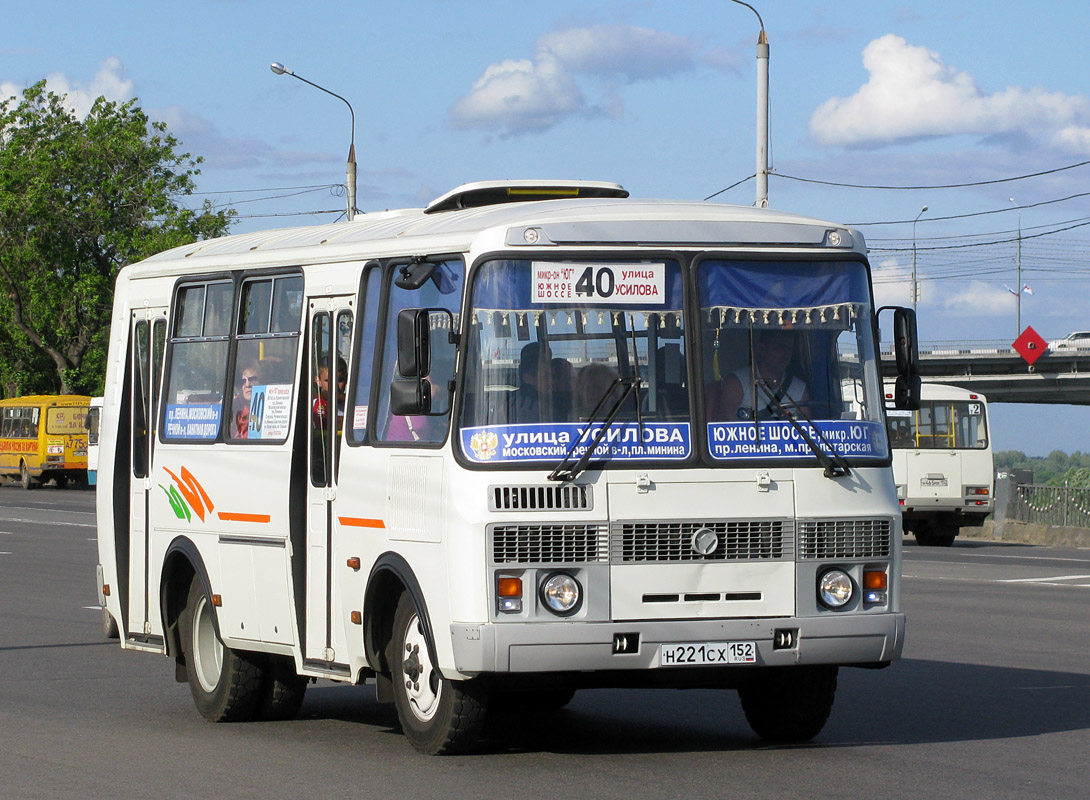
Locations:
{"points": [[992, 700]]}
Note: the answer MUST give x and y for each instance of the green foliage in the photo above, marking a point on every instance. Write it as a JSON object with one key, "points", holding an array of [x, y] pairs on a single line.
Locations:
{"points": [[1054, 469], [79, 199]]}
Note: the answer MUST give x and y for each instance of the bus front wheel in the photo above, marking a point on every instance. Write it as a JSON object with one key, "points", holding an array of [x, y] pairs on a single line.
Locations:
{"points": [[24, 477], [226, 684], [438, 716], [789, 704]]}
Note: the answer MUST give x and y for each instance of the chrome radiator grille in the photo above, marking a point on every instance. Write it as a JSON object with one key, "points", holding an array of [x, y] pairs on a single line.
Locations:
{"points": [[549, 544], [752, 540], [845, 538]]}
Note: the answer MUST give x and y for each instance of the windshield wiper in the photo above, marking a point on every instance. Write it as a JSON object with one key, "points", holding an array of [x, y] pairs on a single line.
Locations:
{"points": [[836, 466], [631, 386]]}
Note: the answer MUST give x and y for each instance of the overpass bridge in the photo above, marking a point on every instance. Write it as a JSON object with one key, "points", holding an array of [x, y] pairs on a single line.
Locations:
{"points": [[996, 370]]}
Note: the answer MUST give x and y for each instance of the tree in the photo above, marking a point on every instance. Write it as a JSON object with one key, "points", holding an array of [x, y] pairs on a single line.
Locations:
{"points": [[79, 199]]}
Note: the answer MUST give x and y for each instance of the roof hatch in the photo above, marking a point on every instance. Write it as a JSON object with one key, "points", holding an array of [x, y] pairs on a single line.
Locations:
{"points": [[487, 193]]}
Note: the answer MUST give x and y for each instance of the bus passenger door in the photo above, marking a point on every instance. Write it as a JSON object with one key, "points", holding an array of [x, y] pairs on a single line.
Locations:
{"points": [[146, 344], [330, 320]]}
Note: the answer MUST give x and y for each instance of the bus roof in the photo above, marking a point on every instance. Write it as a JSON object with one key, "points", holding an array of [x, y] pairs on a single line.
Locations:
{"points": [[607, 217]]}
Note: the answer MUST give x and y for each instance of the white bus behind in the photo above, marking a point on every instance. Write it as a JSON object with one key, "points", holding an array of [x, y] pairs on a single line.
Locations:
{"points": [[942, 463]]}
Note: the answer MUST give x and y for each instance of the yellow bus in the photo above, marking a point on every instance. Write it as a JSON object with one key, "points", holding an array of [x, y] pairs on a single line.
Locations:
{"points": [[43, 438]]}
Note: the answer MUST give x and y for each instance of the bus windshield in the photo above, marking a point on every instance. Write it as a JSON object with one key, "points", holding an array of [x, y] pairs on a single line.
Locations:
{"points": [[549, 342], [786, 340], [940, 424]]}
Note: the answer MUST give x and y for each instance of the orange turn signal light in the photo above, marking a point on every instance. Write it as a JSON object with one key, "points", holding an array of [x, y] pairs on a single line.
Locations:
{"points": [[217, 600], [509, 587], [357, 618], [354, 563], [874, 581]]}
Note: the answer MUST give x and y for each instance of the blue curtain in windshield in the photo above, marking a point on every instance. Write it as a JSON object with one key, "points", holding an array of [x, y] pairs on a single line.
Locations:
{"points": [[767, 284]]}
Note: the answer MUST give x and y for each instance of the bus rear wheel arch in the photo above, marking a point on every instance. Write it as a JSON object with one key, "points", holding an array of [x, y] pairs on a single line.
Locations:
{"points": [[225, 683]]}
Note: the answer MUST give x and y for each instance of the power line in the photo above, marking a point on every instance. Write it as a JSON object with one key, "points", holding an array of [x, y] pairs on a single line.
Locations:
{"points": [[935, 186]]}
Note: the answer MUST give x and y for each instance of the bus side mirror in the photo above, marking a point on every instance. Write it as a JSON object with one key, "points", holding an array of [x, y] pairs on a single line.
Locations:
{"points": [[906, 392], [905, 345], [410, 396], [413, 343]]}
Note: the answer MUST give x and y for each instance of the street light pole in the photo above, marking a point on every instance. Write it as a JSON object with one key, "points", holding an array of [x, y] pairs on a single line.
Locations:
{"points": [[1018, 274], [915, 285], [762, 110], [350, 182]]}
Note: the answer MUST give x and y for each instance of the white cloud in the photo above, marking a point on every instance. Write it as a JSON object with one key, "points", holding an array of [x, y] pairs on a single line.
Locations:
{"points": [[912, 93], [532, 95], [975, 300], [109, 82]]}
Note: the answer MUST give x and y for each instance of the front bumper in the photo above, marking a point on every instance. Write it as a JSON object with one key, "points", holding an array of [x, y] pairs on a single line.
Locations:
{"points": [[588, 646]]}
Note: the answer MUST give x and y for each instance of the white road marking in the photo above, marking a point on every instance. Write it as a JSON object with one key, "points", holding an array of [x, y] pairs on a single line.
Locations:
{"points": [[1021, 581], [51, 523], [1049, 579]]}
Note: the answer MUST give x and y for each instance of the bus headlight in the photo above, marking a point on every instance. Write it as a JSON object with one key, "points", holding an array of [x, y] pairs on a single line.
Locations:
{"points": [[561, 594], [835, 588]]}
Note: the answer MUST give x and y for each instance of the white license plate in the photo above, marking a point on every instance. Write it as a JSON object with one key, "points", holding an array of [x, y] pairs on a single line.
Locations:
{"points": [[706, 653]]}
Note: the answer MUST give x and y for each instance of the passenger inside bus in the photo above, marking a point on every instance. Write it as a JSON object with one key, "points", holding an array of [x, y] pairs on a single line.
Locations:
{"points": [[527, 396], [240, 404], [778, 383], [320, 408], [595, 381]]}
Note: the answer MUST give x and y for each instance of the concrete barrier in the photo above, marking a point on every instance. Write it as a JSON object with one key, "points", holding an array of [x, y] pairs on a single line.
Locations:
{"points": [[1025, 533]]}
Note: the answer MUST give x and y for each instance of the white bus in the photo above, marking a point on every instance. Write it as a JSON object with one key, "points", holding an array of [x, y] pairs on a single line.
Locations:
{"points": [[942, 463], [501, 448]]}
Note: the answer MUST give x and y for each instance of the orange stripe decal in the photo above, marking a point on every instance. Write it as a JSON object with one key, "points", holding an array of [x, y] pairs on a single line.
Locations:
{"points": [[356, 522], [231, 516]]}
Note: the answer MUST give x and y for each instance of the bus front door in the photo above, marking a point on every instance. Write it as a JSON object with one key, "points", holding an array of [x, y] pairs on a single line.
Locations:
{"points": [[330, 321], [148, 336]]}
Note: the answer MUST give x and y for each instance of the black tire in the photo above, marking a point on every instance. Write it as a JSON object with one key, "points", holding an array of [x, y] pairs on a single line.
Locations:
{"points": [[282, 691], [438, 716], [60, 482], [932, 534], [789, 704], [226, 684], [24, 477], [109, 626]]}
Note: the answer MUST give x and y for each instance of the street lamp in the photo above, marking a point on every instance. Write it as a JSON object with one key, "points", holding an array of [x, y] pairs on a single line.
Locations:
{"points": [[350, 183], [1018, 270], [762, 110], [915, 286]]}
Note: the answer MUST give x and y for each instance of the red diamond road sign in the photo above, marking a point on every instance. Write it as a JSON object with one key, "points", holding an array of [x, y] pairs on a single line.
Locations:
{"points": [[1030, 345]]}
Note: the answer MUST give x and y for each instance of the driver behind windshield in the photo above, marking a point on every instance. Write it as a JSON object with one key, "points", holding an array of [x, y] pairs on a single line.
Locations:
{"points": [[778, 384]]}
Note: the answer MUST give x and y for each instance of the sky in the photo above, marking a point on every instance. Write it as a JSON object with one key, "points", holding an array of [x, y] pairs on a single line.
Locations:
{"points": [[657, 96]]}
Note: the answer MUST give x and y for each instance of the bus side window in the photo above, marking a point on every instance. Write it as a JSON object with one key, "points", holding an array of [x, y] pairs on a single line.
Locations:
{"points": [[442, 290], [359, 398], [198, 362], [265, 348]]}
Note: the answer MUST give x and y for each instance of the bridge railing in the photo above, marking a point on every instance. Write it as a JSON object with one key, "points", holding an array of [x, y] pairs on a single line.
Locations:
{"points": [[1068, 506]]}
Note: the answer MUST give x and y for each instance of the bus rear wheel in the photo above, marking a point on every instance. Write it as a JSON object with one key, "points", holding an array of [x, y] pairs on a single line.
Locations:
{"points": [[24, 477], [225, 683], [789, 704], [438, 716]]}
